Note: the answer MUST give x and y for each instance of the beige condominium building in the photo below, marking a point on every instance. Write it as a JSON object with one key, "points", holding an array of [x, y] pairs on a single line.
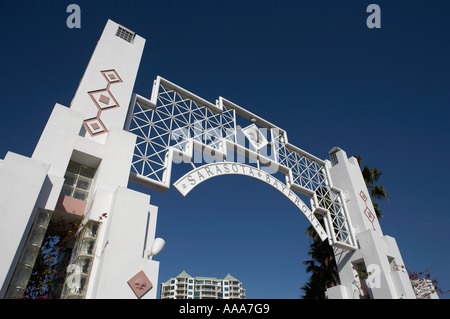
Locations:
{"points": [[184, 286]]}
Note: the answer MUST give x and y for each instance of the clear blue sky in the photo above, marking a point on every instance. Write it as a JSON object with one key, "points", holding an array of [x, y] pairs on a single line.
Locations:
{"points": [[310, 67]]}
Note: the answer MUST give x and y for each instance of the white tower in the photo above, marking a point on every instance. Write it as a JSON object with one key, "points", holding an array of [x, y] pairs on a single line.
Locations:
{"points": [[376, 268], [80, 167]]}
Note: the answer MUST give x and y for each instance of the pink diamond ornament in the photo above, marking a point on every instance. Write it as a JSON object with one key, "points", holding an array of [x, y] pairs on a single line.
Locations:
{"points": [[140, 284]]}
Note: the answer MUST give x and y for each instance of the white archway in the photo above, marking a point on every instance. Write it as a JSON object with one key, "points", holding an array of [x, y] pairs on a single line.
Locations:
{"points": [[175, 125], [198, 175]]}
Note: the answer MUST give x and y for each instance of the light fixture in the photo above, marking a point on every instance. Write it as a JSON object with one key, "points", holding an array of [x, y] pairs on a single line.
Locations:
{"points": [[157, 246]]}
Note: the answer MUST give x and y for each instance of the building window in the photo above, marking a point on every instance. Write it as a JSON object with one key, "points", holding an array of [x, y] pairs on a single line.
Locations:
{"points": [[333, 157], [78, 179], [125, 34], [26, 265], [81, 260]]}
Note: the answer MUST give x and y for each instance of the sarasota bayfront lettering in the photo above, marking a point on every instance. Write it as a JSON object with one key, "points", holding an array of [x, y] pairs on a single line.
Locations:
{"points": [[189, 181]]}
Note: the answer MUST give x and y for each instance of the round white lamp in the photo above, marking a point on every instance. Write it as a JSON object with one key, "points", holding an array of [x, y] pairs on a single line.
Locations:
{"points": [[158, 245]]}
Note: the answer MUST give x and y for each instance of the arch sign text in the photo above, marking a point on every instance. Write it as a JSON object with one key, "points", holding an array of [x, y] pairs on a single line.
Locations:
{"points": [[190, 180]]}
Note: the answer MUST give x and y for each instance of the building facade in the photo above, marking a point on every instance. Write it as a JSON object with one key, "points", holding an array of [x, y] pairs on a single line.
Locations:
{"points": [[184, 286], [78, 175]]}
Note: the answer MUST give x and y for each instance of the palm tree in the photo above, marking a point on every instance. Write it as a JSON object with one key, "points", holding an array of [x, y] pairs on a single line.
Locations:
{"points": [[377, 192], [322, 266]]}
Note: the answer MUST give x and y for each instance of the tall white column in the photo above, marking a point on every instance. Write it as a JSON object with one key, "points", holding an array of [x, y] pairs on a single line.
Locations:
{"points": [[377, 255], [105, 91]]}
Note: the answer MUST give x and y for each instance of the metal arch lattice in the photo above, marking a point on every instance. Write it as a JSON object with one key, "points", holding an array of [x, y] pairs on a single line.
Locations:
{"points": [[171, 123], [311, 175], [173, 118]]}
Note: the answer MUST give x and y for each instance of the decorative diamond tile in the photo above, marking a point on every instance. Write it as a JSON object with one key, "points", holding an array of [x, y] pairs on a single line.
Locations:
{"points": [[103, 99], [140, 284], [95, 126], [111, 76]]}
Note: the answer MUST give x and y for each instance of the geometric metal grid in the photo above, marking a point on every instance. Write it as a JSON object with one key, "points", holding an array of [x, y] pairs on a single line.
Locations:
{"points": [[312, 175], [171, 123], [174, 121]]}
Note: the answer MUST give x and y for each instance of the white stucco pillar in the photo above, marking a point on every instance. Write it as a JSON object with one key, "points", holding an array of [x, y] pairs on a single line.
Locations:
{"points": [[377, 254], [121, 254]]}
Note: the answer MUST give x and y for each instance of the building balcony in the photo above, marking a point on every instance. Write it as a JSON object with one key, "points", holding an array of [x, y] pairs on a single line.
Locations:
{"points": [[208, 284], [208, 294], [208, 289], [182, 294]]}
